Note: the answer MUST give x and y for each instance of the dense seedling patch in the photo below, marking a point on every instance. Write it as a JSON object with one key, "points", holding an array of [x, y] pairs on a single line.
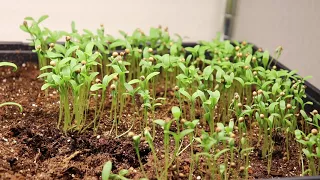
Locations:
{"points": [[220, 94]]}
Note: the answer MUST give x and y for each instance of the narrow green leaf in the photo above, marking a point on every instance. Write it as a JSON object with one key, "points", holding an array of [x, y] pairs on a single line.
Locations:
{"points": [[216, 156], [42, 18], [151, 75], [176, 112], [265, 58], [106, 170], [45, 86], [9, 64], [12, 104], [89, 48], [71, 50]]}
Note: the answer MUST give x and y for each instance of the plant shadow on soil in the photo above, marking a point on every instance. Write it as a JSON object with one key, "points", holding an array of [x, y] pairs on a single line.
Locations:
{"points": [[31, 147]]}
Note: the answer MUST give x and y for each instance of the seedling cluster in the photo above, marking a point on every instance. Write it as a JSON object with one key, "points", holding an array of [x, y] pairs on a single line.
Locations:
{"points": [[221, 95]]}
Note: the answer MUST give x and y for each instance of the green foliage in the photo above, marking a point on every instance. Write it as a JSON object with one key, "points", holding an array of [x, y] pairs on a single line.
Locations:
{"points": [[221, 89]]}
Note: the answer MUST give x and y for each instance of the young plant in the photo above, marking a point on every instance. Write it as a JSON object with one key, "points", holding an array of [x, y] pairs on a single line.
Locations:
{"points": [[10, 103], [107, 173]]}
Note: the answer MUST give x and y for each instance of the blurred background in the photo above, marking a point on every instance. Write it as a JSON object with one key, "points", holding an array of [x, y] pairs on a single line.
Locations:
{"points": [[293, 24]]}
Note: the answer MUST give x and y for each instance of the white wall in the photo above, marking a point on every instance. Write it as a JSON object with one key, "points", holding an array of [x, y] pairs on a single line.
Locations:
{"points": [[199, 20], [294, 24]]}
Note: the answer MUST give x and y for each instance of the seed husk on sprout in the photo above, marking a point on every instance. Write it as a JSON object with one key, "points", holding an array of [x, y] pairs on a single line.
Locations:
{"points": [[183, 120], [115, 78], [115, 54], [314, 131], [53, 63], [315, 112], [51, 45], [113, 87], [68, 38], [241, 119], [83, 62], [233, 165], [242, 168], [254, 93]]}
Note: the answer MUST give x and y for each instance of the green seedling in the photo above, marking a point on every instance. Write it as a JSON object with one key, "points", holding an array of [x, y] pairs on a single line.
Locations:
{"points": [[136, 142], [14, 69], [107, 173]]}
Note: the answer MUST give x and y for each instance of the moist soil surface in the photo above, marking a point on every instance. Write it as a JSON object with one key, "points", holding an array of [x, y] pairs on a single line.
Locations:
{"points": [[32, 147]]}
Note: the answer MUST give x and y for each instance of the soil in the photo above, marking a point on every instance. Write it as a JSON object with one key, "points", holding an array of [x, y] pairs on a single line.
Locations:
{"points": [[32, 147]]}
